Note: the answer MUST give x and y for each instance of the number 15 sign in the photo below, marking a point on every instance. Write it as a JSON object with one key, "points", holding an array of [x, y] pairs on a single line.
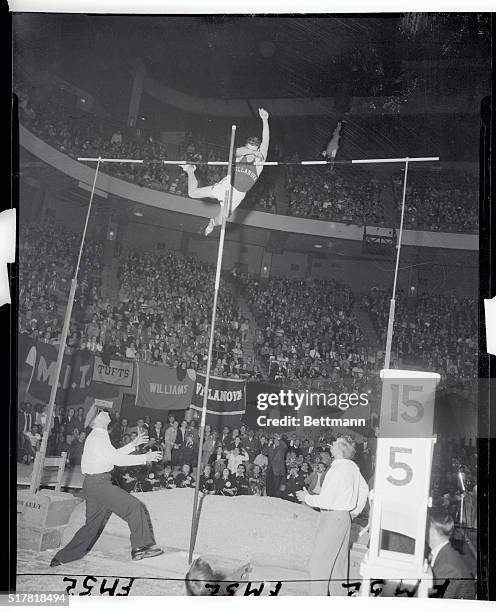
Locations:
{"points": [[402, 475]]}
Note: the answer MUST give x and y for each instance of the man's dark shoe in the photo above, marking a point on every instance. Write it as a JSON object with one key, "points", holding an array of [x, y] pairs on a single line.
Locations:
{"points": [[145, 552], [54, 562]]}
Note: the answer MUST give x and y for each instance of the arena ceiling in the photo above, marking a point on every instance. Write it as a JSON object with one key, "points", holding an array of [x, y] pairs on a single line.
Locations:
{"points": [[257, 56]]}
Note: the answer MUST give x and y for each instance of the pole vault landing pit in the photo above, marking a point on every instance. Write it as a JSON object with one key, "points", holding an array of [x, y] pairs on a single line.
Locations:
{"points": [[275, 536], [264, 530]]}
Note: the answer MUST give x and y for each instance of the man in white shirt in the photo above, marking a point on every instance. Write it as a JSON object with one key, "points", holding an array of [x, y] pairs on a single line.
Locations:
{"points": [[103, 497], [342, 497], [236, 458]]}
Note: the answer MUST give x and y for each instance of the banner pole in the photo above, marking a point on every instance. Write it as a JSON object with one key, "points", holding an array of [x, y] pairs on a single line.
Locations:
{"points": [[225, 212], [392, 304], [40, 455]]}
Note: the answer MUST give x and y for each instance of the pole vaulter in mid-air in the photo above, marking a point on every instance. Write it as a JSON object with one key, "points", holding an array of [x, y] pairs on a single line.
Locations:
{"points": [[246, 173]]}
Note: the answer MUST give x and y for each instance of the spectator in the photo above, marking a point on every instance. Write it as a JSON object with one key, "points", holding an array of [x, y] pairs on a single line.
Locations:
{"points": [[209, 443], [256, 480], [218, 460], [32, 444], [168, 480], [276, 468], [236, 457], [150, 483], [293, 482], [157, 431], [128, 480], [184, 479], [225, 484], [189, 451], [77, 447], [241, 481], [207, 484], [170, 440]]}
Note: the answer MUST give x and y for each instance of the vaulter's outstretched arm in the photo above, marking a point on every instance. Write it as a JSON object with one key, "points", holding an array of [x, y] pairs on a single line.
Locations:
{"points": [[264, 147]]}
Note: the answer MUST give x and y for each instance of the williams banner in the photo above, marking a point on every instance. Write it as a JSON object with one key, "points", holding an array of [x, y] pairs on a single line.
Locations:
{"points": [[226, 400], [163, 388], [116, 373]]}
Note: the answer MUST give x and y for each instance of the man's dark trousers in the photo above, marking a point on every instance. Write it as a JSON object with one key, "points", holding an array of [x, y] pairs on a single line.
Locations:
{"points": [[103, 498], [273, 484]]}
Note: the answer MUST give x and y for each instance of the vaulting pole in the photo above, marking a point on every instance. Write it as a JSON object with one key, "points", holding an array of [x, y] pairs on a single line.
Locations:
{"points": [[226, 211], [392, 304], [40, 455]]}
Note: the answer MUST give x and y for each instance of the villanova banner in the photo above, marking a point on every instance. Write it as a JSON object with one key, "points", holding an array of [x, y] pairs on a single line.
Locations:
{"points": [[160, 388], [226, 400]]}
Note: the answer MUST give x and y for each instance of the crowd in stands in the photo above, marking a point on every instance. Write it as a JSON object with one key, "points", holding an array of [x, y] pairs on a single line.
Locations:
{"points": [[164, 312], [444, 202], [307, 332], [334, 194], [438, 331], [305, 335], [48, 254]]}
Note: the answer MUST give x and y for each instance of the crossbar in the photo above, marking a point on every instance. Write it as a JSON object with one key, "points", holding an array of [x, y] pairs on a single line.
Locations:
{"points": [[108, 160], [394, 160], [316, 162]]}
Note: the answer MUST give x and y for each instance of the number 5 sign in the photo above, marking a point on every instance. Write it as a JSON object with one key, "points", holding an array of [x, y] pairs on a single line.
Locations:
{"points": [[402, 477]]}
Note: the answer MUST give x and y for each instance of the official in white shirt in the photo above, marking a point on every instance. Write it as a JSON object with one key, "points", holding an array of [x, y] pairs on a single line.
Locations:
{"points": [[342, 497], [103, 497]]}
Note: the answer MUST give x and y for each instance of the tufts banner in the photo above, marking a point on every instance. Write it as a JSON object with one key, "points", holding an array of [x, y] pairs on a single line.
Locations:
{"points": [[226, 400], [116, 373], [160, 388]]}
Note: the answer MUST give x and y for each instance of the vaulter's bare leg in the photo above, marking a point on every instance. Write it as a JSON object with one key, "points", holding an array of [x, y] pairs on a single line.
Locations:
{"points": [[201, 192], [193, 190]]}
